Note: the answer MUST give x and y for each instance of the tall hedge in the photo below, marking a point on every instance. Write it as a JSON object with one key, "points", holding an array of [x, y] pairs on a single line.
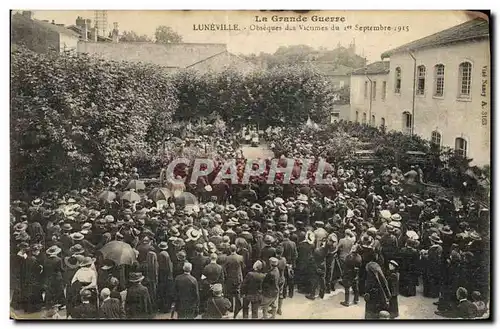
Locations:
{"points": [[283, 95], [72, 116]]}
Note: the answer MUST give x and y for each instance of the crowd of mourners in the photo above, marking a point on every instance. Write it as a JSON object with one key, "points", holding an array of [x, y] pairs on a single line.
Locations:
{"points": [[213, 251]]}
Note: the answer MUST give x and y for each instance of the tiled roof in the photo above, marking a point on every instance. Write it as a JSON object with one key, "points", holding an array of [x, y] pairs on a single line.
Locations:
{"points": [[472, 30], [381, 67]]}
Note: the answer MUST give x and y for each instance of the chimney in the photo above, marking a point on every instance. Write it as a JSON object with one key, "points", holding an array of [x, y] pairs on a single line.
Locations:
{"points": [[93, 34], [115, 32], [85, 31], [28, 14], [53, 22]]}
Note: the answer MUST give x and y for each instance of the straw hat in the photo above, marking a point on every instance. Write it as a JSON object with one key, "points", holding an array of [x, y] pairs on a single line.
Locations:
{"points": [[135, 277], [52, 251], [310, 237]]}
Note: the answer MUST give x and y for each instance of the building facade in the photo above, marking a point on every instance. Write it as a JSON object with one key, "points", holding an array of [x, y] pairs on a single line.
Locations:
{"points": [[438, 88], [369, 94], [41, 36]]}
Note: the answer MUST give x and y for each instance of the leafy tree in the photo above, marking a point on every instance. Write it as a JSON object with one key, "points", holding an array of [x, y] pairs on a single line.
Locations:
{"points": [[73, 116], [165, 34], [131, 36]]}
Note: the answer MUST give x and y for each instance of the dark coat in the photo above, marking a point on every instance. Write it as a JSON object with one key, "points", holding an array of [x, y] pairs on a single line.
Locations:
{"points": [[138, 302], [252, 284], [393, 281], [270, 284], [199, 262], [290, 251], [216, 308], [266, 253], [54, 282], [84, 311], [234, 269], [214, 273], [111, 309], [187, 296], [377, 290], [350, 272], [466, 310]]}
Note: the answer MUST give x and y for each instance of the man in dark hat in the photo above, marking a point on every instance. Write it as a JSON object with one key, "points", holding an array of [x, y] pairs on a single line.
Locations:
{"points": [[212, 273], [251, 290], [350, 276], [110, 308], [199, 261], [304, 262], [165, 278], [54, 282], [138, 302], [234, 268], [65, 239], [268, 251], [186, 294], [34, 279], [270, 289], [290, 254], [317, 273]]}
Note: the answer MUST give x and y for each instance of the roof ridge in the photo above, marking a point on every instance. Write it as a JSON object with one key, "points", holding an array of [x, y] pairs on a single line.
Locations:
{"points": [[445, 33]]}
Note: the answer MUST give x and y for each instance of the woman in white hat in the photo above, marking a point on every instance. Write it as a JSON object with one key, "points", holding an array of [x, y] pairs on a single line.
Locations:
{"points": [[84, 279]]}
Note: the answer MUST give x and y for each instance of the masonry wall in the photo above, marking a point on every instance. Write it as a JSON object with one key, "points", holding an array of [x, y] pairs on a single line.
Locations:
{"points": [[361, 104], [449, 115], [170, 55], [222, 61]]}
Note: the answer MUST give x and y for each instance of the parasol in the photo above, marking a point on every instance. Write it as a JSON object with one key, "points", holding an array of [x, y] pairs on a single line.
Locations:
{"points": [[185, 199], [160, 193], [130, 196], [137, 185], [107, 196], [119, 252]]}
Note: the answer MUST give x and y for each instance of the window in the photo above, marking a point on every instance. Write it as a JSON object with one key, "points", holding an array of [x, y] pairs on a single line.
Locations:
{"points": [[436, 138], [382, 122], [397, 84], [373, 120], [465, 71], [364, 118], [420, 80], [357, 116], [366, 89], [335, 117], [374, 89], [384, 89], [407, 122], [461, 147], [439, 80], [341, 84]]}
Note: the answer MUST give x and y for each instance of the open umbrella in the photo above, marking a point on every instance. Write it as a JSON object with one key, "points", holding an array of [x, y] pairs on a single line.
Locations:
{"points": [[160, 193], [137, 185], [130, 196], [107, 196], [119, 252], [185, 199]]}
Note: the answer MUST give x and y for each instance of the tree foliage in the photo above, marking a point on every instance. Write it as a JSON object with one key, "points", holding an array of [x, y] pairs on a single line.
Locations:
{"points": [[165, 34], [131, 36], [284, 95], [73, 116]]}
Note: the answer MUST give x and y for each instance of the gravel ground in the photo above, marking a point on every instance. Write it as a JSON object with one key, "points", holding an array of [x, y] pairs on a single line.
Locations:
{"points": [[329, 307]]}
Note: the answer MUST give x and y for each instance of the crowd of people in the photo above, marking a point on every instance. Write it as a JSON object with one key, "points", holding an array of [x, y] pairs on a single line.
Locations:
{"points": [[211, 252]]}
